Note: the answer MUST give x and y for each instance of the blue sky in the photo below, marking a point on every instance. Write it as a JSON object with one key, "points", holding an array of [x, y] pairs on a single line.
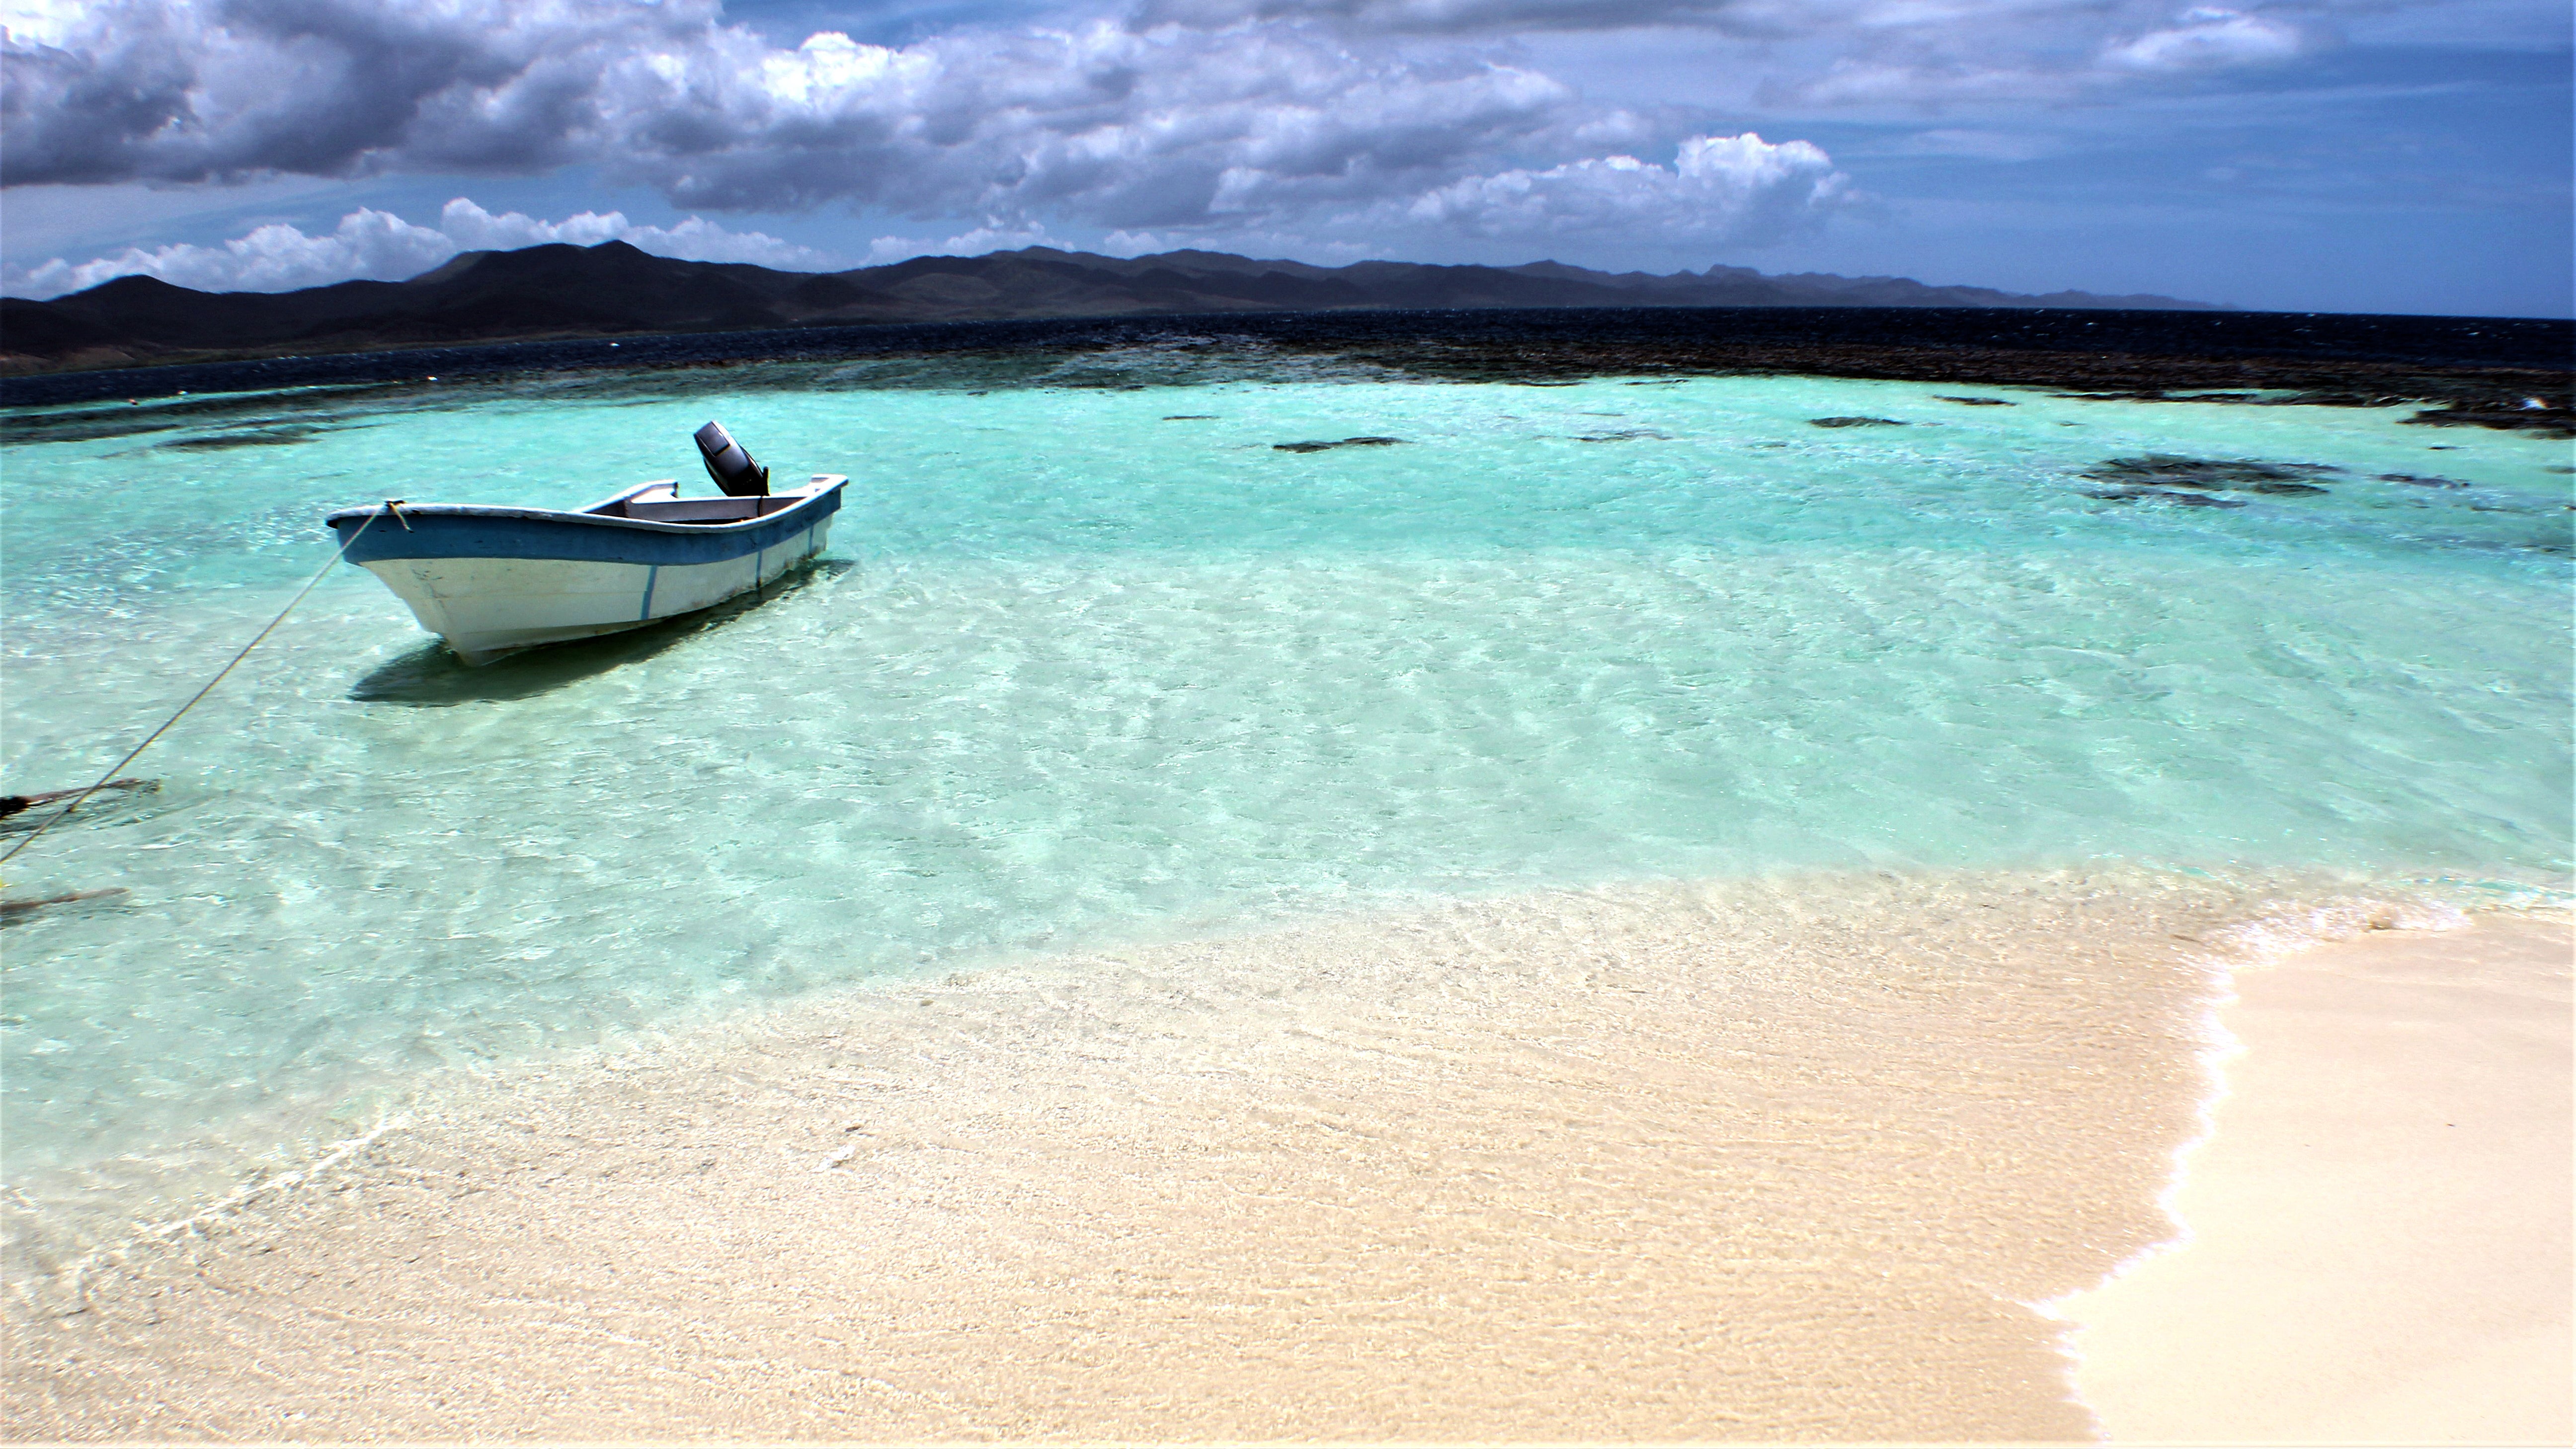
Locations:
{"points": [[2334, 155]]}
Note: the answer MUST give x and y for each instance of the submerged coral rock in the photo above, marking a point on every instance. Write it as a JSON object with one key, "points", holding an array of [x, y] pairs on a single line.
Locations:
{"points": [[2546, 420], [285, 437], [1317, 447], [2166, 470]]}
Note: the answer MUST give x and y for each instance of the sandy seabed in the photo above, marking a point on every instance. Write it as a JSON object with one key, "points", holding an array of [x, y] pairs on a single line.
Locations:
{"points": [[1784, 1162]]}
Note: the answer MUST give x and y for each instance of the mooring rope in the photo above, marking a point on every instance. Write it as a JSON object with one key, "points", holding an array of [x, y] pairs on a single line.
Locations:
{"points": [[392, 506]]}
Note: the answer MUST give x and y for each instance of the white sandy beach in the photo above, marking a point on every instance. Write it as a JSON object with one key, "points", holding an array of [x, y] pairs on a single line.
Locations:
{"points": [[2379, 1248], [1642, 1164]]}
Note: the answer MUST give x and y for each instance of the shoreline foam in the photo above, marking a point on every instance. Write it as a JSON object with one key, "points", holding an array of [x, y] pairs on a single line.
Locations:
{"points": [[1746, 1161], [2375, 1237]]}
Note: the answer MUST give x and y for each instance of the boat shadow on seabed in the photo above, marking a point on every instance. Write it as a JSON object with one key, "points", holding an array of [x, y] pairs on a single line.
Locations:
{"points": [[431, 676]]}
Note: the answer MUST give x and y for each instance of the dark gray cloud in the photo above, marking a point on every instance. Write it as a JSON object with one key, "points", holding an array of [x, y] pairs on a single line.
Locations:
{"points": [[1283, 117], [1096, 122], [168, 90]]}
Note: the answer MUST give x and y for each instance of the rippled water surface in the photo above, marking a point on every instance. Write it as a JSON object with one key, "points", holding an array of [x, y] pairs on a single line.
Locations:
{"points": [[1089, 665]]}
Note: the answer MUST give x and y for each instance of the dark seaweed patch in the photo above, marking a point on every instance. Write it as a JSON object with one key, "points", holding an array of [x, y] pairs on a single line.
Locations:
{"points": [[23, 813], [1189, 417], [2418, 480], [2165, 470], [265, 411], [12, 911], [1317, 447], [1855, 423], [226, 442], [1624, 435], [2533, 415], [1977, 402]]}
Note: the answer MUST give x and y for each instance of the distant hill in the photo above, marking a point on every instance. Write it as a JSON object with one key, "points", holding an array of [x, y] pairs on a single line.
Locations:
{"points": [[614, 288]]}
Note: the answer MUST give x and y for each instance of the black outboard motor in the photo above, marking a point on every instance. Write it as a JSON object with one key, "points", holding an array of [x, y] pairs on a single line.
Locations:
{"points": [[727, 463]]}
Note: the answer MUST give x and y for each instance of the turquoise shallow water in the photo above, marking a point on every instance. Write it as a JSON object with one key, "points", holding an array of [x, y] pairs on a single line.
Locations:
{"points": [[1078, 671]]}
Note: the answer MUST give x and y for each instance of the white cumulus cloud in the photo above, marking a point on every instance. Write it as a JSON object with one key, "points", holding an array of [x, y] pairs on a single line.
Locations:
{"points": [[990, 237], [2208, 39], [370, 244]]}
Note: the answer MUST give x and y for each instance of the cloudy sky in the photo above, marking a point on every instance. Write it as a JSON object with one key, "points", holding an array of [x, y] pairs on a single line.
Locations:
{"points": [[2345, 155]]}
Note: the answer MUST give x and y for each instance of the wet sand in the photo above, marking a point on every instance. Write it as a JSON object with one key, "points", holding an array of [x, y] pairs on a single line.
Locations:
{"points": [[1748, 1163], [2379, 1248]]}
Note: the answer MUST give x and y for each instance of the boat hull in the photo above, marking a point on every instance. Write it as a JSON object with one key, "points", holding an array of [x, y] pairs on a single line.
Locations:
{"points": [[492, 582], [488, 607]]}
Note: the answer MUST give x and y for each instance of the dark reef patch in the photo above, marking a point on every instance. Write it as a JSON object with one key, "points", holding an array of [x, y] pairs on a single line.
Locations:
{"points": [[1977, 402], [2419, 480], [227, 442], [1854, 423], [2165, 470], [240, 413], [1625, 435], [2458, 371], [1319, 446], [2531, 415]]}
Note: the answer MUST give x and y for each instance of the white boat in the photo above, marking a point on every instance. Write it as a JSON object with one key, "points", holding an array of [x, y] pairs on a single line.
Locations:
{"points": [[495, 580]]}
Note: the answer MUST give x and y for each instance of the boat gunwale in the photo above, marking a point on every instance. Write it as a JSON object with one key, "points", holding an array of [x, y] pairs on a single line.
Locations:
{"points": [[823, 486]]}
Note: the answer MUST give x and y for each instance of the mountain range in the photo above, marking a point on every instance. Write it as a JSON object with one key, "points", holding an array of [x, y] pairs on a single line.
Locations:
{"points": [[614, 288]]}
